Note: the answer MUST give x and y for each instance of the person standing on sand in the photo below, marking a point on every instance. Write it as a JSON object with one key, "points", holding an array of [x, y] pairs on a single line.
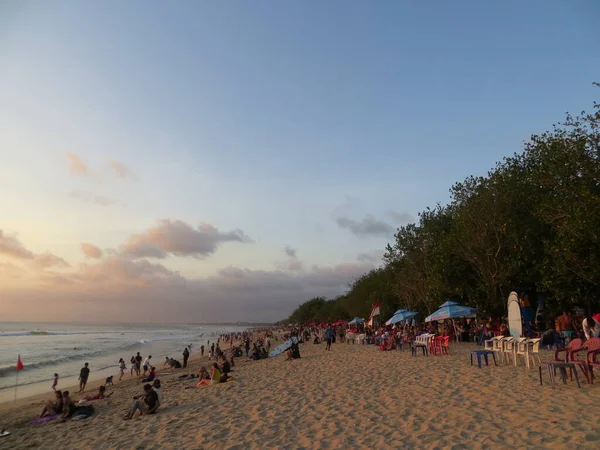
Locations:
{"points": [[138, 363], [329, 337], [212, 349], [186, 355], [54, 382], [202, 350], [122, 368], [84, 373], [147, 364], [247, 345]]}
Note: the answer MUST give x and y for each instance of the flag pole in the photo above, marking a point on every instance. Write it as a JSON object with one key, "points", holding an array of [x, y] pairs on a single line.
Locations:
{"points": [[16, 384]]}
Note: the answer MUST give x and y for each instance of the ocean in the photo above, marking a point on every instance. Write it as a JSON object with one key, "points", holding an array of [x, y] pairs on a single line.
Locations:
{"points": [[47, 349]]}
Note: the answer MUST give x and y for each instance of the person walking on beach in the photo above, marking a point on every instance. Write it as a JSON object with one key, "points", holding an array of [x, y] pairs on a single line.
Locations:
{"points": [[186, 355], [132, 362], [202, 350], [54, 382], [84, 373], [147, 364], [122, 368], [328, 337]]}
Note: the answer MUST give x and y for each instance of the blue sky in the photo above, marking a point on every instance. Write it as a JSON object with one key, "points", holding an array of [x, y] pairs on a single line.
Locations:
{"points": [[275, 118]]}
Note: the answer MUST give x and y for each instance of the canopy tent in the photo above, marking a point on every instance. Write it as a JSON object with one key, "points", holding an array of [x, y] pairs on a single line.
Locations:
{"points": [[356, 320], [401, 315], [452, 310]]}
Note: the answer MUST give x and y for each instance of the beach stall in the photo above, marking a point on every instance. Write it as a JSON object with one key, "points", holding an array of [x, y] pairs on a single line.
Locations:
{"points": [[352, 333], [452, 310]]}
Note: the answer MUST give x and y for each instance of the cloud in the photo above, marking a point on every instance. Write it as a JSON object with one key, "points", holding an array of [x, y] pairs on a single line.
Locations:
{"points": [[48, 259], [10, 246], [91, 251], [371, 257], [369, 226], [117, 272], [121, 170], [94, 199], [78, 167], [180, 239], [289, 251], [11, 271], [400, 217], [118, 287]]}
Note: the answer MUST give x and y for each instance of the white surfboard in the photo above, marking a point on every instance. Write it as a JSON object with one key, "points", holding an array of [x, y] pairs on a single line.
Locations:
{"points": [[283, 347], [515, 325]]}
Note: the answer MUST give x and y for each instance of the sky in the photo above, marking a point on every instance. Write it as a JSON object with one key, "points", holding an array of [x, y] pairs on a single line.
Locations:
{"points": [[226, 161]]}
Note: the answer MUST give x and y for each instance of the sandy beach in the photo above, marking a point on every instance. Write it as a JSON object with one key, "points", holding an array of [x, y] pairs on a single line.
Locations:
{"points": [[352, 397]]}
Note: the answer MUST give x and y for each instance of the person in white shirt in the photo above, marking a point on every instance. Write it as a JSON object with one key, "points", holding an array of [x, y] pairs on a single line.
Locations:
{"points": [[591, 327], [147, 364]]}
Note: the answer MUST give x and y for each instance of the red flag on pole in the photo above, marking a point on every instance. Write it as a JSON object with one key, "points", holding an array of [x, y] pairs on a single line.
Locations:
{"points": [[20, 365], [374, 312]]}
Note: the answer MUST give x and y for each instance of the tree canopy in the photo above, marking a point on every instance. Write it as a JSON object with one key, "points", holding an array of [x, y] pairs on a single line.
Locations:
{"points": [[532, 224]]}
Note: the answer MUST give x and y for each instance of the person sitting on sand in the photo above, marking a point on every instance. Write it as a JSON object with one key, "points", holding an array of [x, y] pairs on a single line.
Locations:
{"points": [[150, 376], [99, 396], [156, 387], [147, 405], [225, 368], [215, 377], [68, 405], [53, 407]]}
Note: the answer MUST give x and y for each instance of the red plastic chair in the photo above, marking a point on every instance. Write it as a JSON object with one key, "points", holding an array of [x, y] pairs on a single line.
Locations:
{"points": [[445, 345], [593, 350], [436, 346], [574, 346]]}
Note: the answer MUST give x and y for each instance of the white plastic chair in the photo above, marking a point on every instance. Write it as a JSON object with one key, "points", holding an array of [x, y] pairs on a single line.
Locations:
{"points": [[508, 349], [489, 344], [534, 350], [521, 348], [498, 346]]}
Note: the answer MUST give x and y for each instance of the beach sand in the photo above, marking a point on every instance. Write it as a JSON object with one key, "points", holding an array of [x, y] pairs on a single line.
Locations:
{"points": [[352, 397]]}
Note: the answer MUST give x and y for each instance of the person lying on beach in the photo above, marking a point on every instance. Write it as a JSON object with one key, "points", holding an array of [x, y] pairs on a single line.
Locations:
{"points": [[150, 376], [215, 377], [100, 395], [147, 405], [173, 363], [201, 374], [53, 407]]}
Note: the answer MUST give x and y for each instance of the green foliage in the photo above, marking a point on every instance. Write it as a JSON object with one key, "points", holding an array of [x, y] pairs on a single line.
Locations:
{"points": [[533, 223]]}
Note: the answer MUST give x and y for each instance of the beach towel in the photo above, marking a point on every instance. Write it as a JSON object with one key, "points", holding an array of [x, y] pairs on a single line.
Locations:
{"points": [[44, 419]]}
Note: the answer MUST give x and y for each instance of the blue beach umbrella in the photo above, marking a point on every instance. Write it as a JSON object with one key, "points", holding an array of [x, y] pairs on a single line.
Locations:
{"points": [[356, 320], [452, 310], [401, 315]]}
